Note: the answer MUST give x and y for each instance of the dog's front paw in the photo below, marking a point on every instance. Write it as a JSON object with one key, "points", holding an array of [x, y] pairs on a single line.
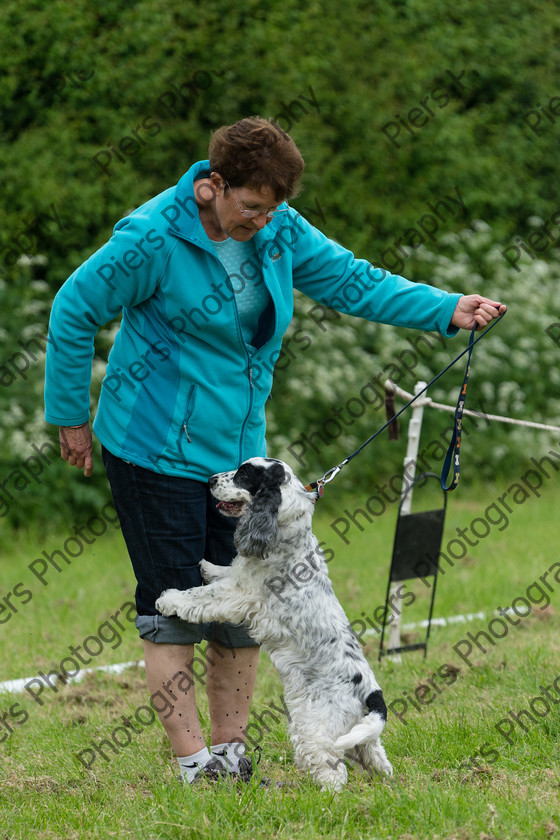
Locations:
{"points": [[206, 570], [167, 603], [210, 572]]}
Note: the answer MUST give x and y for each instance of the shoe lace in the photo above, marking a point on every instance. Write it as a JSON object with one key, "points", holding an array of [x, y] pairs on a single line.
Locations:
{"points": [[246, 763], [213, 769]]}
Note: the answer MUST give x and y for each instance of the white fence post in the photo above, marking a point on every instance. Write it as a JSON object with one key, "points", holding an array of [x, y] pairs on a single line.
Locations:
{"points": [[410, 459]]}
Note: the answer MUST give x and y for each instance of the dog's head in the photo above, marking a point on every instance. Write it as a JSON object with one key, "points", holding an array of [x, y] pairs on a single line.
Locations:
{"points": [[262, 493]]}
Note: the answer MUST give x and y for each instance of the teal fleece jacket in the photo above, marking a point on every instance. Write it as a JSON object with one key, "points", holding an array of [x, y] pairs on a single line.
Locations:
{"points": [[179, 394]]}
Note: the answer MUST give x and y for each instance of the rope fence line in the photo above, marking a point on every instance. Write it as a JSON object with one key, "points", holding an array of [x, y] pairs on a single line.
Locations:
{"points": [[427, 401]]}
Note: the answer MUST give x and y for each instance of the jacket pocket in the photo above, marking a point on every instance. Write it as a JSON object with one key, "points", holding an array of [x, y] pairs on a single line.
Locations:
{"points": [[191, 401]]}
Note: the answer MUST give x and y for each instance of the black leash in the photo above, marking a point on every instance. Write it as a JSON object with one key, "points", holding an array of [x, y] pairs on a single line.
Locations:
{"points": [[452, 457]]}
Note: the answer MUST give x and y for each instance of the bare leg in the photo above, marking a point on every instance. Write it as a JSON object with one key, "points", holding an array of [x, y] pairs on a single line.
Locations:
{"points": [[230, 678], [229, 686], [179, 716]]}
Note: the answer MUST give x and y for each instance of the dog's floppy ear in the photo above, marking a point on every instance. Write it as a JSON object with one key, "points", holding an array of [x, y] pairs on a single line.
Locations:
{"points": [[257, 527]]}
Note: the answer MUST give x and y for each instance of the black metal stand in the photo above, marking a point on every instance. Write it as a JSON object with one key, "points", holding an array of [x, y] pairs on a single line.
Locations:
{"points": [[415, 555]]}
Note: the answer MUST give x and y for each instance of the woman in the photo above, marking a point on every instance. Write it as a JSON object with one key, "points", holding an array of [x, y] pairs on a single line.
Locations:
{"points": [[204, 275]]}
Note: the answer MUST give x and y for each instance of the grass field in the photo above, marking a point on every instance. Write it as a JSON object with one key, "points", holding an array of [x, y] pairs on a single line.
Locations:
{"points": [[465, 768]]}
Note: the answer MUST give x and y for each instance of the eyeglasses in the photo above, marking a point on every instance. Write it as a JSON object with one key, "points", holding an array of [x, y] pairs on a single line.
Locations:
{"points": [[252, 214]]}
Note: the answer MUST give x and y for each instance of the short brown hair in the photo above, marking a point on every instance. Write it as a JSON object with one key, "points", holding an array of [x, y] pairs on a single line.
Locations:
{"points": [[257, 153]]}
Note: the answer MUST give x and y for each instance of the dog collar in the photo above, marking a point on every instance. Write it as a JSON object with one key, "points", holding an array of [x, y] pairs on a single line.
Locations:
{"points": [[315, 487]]}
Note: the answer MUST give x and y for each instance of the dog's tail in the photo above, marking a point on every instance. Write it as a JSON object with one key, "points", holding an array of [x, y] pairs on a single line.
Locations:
{"points": [[369, 730], [371, 726]]}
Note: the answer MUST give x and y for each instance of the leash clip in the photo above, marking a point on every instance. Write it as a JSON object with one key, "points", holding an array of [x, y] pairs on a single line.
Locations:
{"points": [[328, 476], [319, 485]]}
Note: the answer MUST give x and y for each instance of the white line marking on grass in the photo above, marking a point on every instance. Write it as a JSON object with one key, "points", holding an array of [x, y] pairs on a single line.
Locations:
{"points": [[15, 686], [436, 622]]}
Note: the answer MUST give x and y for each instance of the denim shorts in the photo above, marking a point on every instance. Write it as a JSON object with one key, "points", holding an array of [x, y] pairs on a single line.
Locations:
{"points": [[169, 525]]}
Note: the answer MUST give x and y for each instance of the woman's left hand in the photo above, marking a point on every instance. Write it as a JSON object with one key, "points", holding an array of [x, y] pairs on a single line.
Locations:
{"points": [[475, 310]]}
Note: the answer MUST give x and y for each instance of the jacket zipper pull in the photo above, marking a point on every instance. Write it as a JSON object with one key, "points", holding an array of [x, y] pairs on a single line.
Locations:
{"points": [[251, 377], [187, 433]]}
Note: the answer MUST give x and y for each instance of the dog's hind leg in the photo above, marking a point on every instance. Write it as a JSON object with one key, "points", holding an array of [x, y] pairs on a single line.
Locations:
{"points": [[328, 771], [372, 756], [325, 766]]}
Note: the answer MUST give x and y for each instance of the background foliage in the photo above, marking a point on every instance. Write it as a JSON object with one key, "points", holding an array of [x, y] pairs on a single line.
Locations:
{"points": [[78, 78]]}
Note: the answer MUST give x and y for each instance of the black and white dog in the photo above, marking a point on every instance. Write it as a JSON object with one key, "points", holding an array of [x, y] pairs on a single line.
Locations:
{"points": [[336, 706]]}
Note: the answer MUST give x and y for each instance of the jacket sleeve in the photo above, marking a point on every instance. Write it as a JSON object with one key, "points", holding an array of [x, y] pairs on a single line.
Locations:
{"points": [[123, 273], [330, 274]]}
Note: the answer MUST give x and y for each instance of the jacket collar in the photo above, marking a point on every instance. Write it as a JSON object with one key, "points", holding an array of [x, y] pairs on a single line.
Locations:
{"points": [[186, 222]]}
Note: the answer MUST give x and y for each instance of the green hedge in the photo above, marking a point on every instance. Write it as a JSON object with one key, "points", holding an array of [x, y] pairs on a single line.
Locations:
{"points": [[106, 104]]}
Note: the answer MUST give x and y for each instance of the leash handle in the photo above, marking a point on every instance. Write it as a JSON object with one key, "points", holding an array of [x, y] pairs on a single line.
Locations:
{"points": [[452, 457]]}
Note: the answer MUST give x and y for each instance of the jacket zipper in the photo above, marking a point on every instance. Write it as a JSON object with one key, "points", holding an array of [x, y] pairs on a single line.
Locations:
{"points": [[251, 395], [249, 365], [250, 378]]}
